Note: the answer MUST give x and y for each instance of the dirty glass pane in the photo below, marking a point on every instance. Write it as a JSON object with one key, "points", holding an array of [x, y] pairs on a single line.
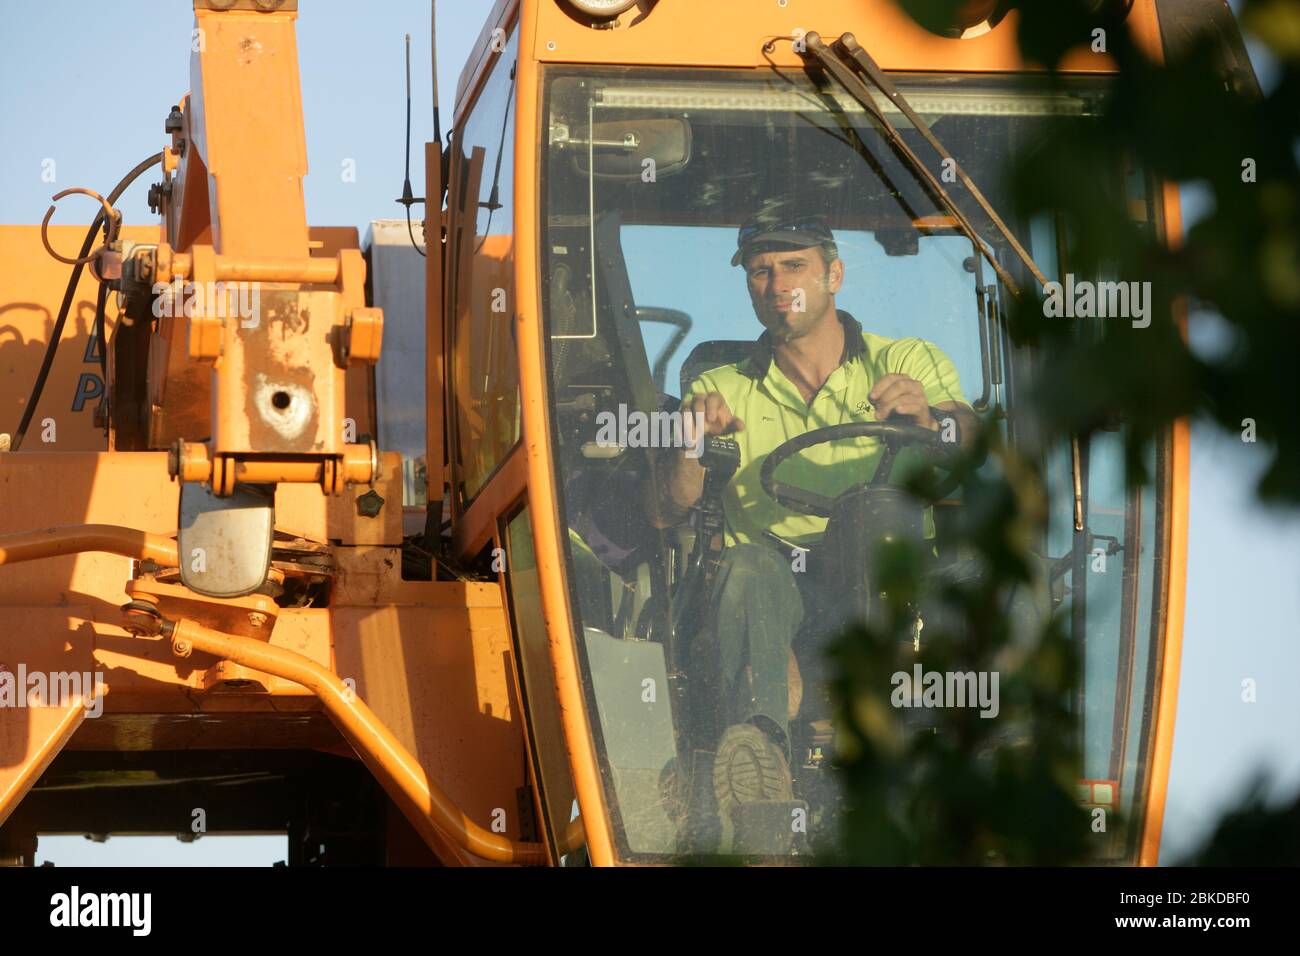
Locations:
{"points": [[552, 759], [484, 368], [701, 658]]}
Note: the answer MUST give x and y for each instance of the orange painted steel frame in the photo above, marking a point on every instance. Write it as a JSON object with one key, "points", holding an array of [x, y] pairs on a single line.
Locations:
{"points": [[427, 657], [429, 808], [409, 646], [730, 33], [1162, 750]]}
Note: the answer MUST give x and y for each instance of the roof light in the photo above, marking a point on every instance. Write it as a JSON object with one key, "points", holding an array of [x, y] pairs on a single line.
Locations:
{"points": [[927, 100]]}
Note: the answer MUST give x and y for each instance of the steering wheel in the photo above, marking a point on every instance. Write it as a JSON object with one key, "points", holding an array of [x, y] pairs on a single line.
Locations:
{"points": [[895, 434]]}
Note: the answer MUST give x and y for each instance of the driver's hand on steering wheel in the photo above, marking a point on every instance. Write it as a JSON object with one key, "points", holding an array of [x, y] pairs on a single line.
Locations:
{"points": [[897, 394]]}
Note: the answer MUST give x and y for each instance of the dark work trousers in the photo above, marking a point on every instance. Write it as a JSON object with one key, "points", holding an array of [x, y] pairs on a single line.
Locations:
{"points": [[740, 659], [762, 607]]}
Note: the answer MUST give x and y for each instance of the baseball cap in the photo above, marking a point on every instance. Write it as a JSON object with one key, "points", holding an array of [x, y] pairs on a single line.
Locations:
{"points": [[781, 228]]}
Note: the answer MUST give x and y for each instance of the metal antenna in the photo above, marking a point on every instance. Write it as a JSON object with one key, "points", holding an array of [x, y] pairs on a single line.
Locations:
{"points": [[408, 199], [433, 34]]}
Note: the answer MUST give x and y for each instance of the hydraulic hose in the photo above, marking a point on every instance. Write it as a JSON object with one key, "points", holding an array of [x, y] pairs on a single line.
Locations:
{"points": [[433, 813], [52, 346], [76, 539]]}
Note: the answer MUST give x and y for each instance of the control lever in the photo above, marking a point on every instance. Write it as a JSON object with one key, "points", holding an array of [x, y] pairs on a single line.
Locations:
{"points": [[720, 458]]}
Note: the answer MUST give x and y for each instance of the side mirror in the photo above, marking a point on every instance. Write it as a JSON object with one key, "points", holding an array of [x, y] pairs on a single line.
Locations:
{"points": [[225, 543]]}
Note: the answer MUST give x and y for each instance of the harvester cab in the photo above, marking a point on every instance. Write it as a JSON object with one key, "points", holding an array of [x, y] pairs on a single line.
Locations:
{"points": [[286, 549]]}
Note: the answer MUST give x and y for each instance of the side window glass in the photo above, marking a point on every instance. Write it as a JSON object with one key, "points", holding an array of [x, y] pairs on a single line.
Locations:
{"points": [[484, 366], [531, 644]]}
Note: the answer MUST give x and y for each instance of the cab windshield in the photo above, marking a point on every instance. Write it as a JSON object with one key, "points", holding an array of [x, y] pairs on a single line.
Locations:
{"points": [[701, 624]]}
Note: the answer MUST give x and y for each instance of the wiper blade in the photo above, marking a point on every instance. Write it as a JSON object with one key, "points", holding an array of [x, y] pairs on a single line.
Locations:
{"points": [[855, 87], [851, 46]]}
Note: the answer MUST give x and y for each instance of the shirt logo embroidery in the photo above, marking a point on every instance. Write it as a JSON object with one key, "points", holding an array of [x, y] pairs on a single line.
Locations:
{"points": [[862, 408]]}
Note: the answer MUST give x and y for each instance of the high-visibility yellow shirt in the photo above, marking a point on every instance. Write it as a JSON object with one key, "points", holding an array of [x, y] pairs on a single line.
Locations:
{"points": [[773, 411]]}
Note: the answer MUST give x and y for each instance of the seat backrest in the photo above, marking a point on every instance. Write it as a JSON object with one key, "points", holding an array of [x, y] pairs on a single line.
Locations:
{"points": [[712, 354]]}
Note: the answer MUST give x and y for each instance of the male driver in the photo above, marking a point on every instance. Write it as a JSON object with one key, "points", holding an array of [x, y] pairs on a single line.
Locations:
{"points": [[812, 367]]}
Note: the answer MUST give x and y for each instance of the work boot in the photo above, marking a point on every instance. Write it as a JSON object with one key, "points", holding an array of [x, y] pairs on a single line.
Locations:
{"points": [[749, 768]]}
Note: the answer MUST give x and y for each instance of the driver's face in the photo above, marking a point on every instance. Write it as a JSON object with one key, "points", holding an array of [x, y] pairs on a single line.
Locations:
{"points": [[792, 289]]}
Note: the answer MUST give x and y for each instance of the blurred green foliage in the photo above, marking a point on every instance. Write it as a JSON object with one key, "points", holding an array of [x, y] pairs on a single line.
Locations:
{"points": [[1256, 833], [953, 788], [947, 785]]}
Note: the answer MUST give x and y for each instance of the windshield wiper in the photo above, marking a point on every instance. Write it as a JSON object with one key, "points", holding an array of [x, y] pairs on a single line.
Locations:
{"points": [[854, 86], [836, 68]]}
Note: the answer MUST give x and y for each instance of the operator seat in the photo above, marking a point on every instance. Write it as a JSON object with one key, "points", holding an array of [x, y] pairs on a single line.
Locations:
{"points": [[713, 354]]}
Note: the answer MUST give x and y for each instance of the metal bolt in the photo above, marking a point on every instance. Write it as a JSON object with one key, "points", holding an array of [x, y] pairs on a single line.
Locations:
{"points": [[182, 648], [145, 263], [256, 618], [141, 619], [369, 504], [157, 193], [550, 45]]}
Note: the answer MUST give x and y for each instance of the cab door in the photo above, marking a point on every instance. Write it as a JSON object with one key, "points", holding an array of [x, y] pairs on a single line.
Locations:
{"points": [[490, 515]]}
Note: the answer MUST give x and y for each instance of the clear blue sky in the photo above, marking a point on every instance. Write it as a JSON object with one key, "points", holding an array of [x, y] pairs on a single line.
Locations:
{"points": [[62, 55]]}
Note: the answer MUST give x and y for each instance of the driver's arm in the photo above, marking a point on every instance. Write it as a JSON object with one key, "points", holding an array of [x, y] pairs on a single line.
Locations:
{"points": [[968, 423], [899, 394], [679, 477]]}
